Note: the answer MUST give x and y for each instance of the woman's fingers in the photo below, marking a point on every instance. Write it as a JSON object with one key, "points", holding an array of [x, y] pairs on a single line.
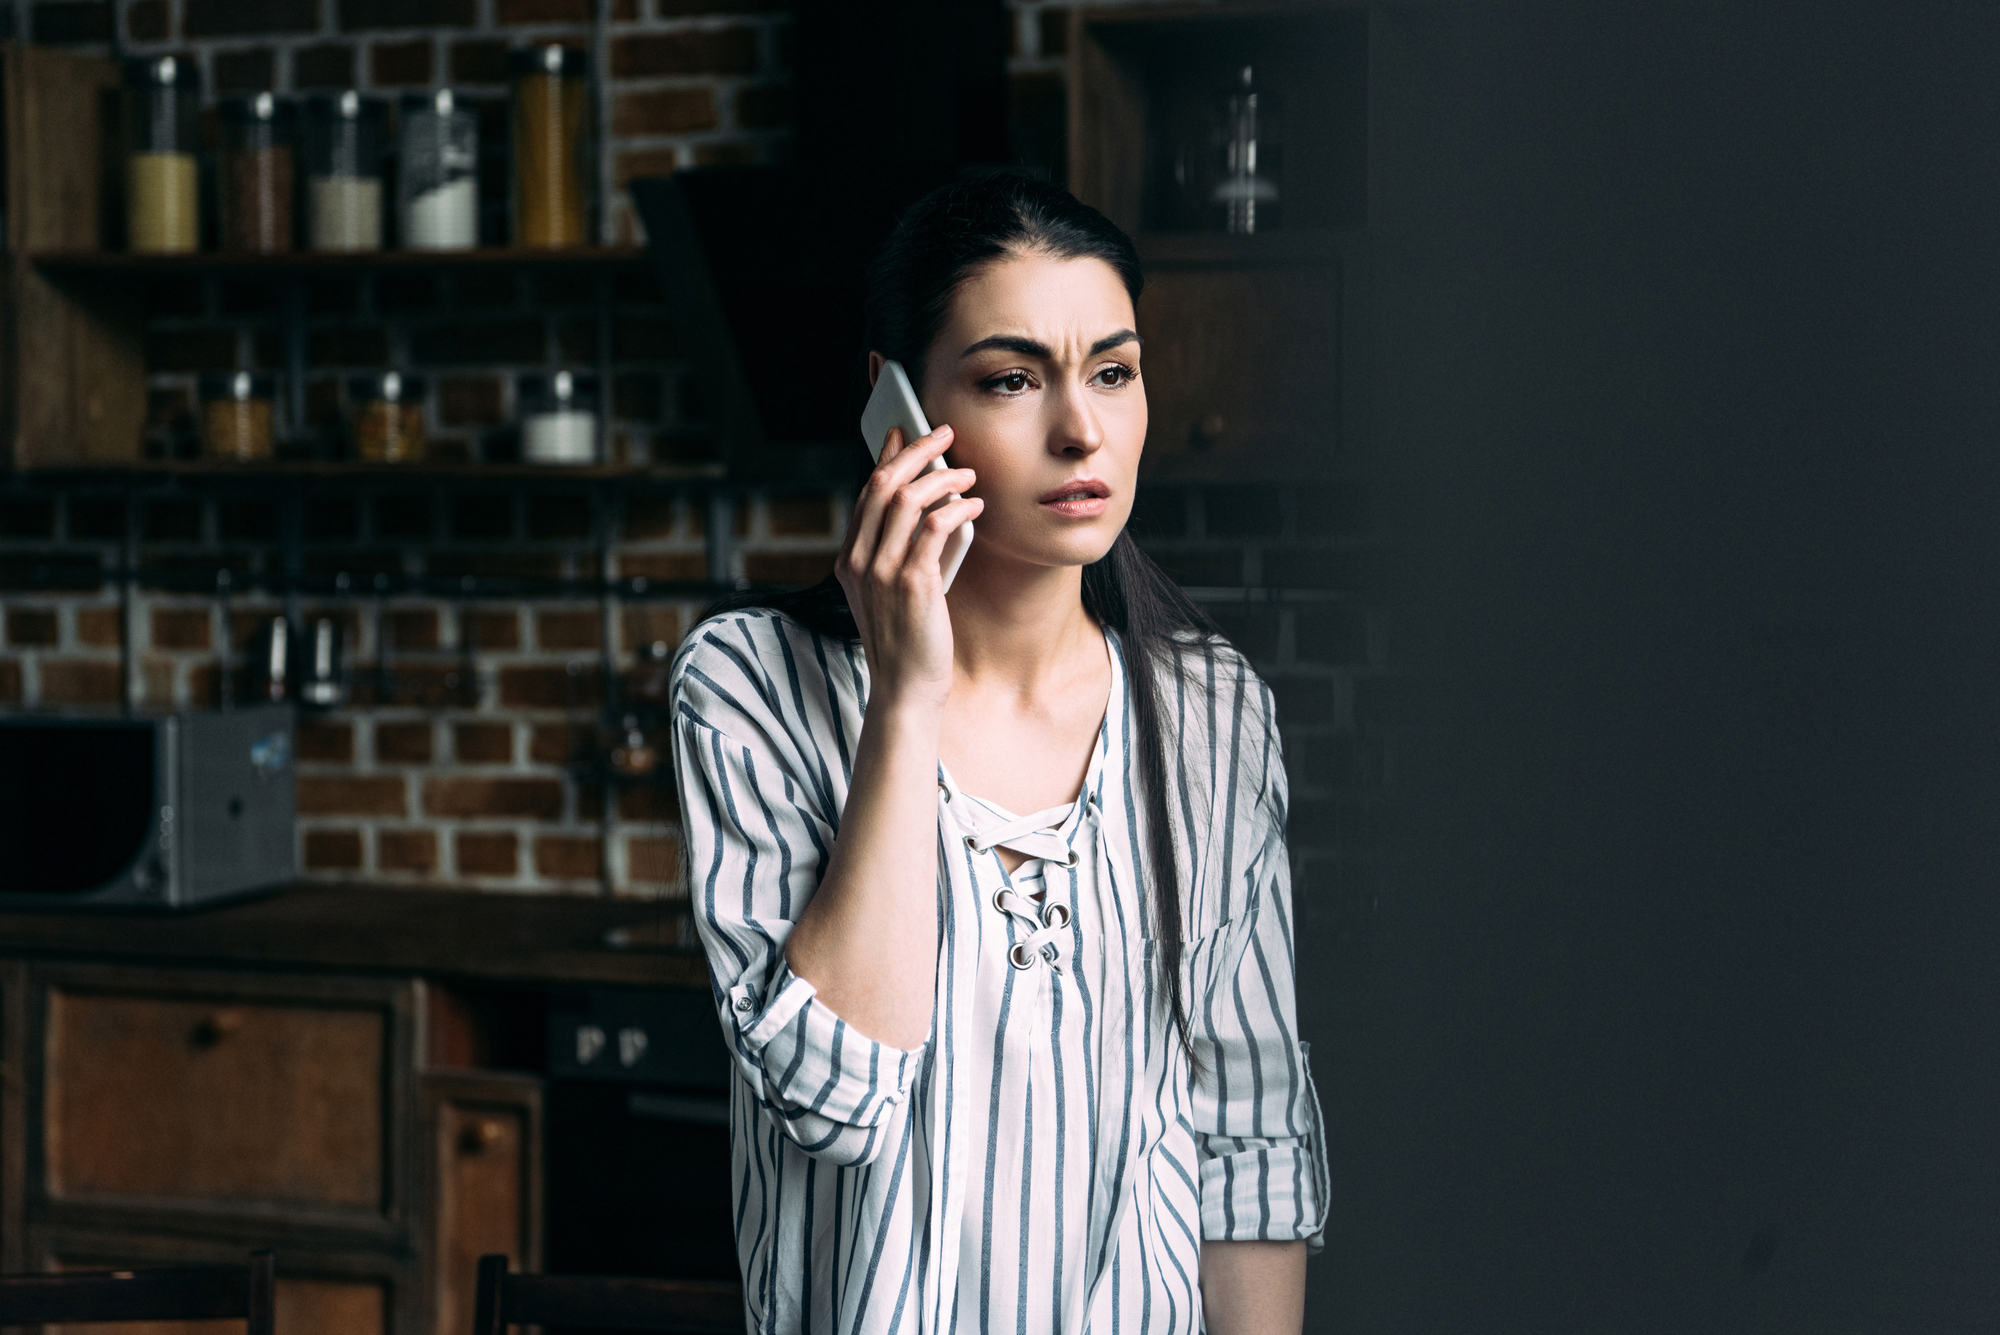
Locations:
{"points": [[905, 511], [899, 466], [927, 551]]}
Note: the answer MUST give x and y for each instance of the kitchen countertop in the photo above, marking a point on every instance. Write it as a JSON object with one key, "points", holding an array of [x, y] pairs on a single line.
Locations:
{"points": [[471, 934]]}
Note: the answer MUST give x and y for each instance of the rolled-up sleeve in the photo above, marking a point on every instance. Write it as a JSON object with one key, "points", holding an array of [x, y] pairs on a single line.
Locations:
{"points": [[1262, 1142], [757, 833]]}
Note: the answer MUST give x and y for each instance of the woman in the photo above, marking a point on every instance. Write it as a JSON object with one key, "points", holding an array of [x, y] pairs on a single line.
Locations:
{"points": [[1000, 1071]]}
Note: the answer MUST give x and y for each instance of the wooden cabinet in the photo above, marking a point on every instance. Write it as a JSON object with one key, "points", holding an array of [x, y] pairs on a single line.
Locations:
{"points": [[483, 1172], [1256, 345]]}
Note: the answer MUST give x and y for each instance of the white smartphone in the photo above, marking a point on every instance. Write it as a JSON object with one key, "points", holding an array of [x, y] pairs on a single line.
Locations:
{"points": [[894, 403]]}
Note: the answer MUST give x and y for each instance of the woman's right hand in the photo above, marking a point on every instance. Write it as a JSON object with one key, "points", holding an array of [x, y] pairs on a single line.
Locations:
{"points": [[890, 566]]}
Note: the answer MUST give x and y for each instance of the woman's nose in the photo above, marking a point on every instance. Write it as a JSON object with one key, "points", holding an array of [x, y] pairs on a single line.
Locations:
{"points": [[1077, 432]]}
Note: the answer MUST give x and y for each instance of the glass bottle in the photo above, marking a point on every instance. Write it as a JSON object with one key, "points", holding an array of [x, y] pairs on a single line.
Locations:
{"points": [[388, 417], [162, 117], [238, 415], [255, 177], [559, 419], [343, 142], [1249, 163], [551, 96], [438, 193]]}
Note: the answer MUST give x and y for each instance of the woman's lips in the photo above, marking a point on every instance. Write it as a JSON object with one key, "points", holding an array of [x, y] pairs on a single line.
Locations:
{"points": [[1083, 499]]}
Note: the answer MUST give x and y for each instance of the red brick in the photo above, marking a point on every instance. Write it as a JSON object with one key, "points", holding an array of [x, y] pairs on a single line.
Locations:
{"points": [[406, 850], [557, 743], [567, 628], [403, 743], [483, 743], [653, 861], [689, 51], [647, 626], [325, 65], [544, 11], [765, 105], [183, 628], [32, 626], [423, 685], [625, 11], [728, 153], [408, 14], [788, 567], [549, 686], [665, 566], [495, 565], [664, 111], [629, 167], [465, 798], [351, 795], [323, 739], [333, 850], [648, 803], [156, 681], [149, 21], [98, 626], [10, 681], [470, 399], [478, 61], [252, 71], [649, 516], [248, 18], [394, 63], [79, 681], [488, 854], [496, 630], [567, 858], [413, 628]]}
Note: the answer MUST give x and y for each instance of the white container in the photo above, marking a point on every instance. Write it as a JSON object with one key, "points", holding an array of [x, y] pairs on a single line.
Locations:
{"points": [[559, 419], [438, 191]]}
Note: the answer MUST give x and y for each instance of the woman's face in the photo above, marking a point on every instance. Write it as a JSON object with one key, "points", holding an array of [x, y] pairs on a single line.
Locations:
{"points": [[1037, 371]]}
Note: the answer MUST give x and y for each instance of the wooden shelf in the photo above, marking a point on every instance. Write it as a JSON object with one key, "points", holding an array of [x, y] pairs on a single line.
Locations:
{"points": [[318, 261], [337, 468]]}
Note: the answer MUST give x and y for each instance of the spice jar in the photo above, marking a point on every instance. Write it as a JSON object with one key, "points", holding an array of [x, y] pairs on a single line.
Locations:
{"points": [[559, 419], [437, 195], [255, 178], [343, 143], [388, 417], [551, 183], [237, 413], [1244, 126], [162, 128]]}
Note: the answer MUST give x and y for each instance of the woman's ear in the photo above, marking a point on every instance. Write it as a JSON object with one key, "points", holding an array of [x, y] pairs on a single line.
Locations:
{"points": [[875, 360]]}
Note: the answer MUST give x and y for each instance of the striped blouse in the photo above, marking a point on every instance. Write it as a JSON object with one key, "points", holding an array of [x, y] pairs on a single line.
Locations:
{"points": [[1045, 1161]]}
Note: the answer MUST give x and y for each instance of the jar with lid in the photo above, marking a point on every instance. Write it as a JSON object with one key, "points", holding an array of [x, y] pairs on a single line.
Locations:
{"points": [[343, 144], [437, 195], [238, 415], [559, 418], [388, 417], [255, 177], [551, 95], [162, 114], [1249, 162]]}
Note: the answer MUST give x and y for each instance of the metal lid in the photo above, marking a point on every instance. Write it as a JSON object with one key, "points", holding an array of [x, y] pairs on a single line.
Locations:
{"points": [[257, 109], [438, 101], [549, 58], [163, 72], [576, 389], [347, 106], [394, 386], [236, 385]]}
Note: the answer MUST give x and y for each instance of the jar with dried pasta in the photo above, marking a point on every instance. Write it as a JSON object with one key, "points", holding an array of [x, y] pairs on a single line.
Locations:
{"points": [[552, 161], [388, 417], [238, 414]]}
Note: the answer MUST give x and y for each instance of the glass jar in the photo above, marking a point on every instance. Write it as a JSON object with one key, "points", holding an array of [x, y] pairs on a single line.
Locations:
{"points": [[559, 419], [162, 115], [255, 178], [388, 417], [437, 195], [1249, 164], [343, 143], [551, 154], [238, 415]]}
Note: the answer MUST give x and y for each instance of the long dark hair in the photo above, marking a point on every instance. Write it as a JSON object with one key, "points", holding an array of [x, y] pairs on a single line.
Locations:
{"points": [[937, 244]]}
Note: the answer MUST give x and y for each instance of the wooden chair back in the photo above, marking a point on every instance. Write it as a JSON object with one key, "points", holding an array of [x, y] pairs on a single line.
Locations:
{"points": [[188, 1293], [598, 1302]]}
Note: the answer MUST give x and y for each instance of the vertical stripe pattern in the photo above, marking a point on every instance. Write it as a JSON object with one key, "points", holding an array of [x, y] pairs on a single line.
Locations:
{"points": [[1046, 1160]]}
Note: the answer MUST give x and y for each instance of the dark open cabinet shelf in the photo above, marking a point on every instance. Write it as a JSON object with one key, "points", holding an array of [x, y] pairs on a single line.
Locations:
{"points": [[78, 262]]}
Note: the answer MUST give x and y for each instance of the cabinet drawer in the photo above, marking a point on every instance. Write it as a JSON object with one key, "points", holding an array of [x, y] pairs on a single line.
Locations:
{"points": [[238, 1096]]}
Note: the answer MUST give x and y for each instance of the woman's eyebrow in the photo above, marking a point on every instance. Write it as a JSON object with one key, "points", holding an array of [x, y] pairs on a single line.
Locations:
{"points": [[1028, 347]]}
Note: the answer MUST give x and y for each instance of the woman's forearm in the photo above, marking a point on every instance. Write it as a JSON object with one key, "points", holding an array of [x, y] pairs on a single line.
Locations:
{"points": [[1253, 1288], [868, 940]]}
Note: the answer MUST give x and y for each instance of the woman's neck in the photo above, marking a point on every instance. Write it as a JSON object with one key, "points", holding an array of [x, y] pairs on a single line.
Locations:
{"points": [[1021, 627]]}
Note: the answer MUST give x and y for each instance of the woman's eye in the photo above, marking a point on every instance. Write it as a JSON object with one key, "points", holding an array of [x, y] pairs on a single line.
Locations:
{"points": [[1117, 374], [1013, 382]]}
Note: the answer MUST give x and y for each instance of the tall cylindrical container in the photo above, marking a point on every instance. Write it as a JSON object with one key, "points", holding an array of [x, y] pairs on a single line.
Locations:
{"points": [[551, 102], [162, 130], [255, 178], [343, 141], [438, 191]]}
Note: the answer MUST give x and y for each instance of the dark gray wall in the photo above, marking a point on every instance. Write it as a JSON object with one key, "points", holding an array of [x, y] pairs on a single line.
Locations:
{"points": [[1679, 1010]]}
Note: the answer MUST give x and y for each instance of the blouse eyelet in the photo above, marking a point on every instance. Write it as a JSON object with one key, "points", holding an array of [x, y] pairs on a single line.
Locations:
{"points": [[1055, 915], [972, 843], [1021, 957]]}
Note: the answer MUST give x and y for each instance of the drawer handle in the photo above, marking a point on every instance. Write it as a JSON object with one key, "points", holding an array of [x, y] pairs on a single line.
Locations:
{"points": [[480, 1136], [216, 1027]]}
